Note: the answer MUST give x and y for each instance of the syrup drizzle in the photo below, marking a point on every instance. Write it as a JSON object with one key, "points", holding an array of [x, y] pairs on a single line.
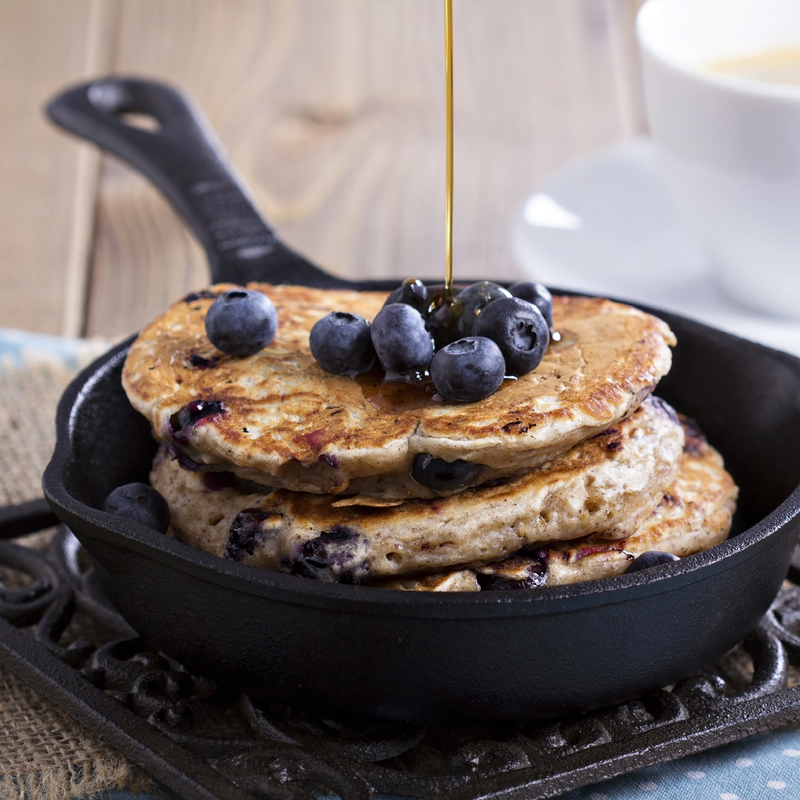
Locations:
{"points": [[448, 69], [444, 308]]}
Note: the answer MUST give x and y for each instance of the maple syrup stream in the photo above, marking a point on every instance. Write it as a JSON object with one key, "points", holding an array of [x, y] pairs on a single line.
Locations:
{"points": [[448, 70]]}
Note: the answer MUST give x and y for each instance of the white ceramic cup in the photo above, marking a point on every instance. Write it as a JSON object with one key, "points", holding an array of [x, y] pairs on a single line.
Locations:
{"points": [[729, 147]]}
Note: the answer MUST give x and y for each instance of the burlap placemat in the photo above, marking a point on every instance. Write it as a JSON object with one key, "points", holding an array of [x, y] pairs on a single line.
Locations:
{"points": [[44, 755], [28, 399]]}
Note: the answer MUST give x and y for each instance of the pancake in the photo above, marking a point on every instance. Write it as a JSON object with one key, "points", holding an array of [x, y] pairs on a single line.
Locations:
{"points": [[694, 514], [609, 483], [279, 419]]}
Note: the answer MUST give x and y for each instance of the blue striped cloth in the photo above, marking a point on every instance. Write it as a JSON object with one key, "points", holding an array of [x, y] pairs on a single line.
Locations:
{"points": [[22, 348]]}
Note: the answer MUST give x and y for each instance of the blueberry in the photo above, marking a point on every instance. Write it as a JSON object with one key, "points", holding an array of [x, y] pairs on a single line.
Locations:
{"points": [[652, 558], [140, 502], [401, 340], [246, 530], [449, 322], [436, 292], [442, 321], [413, 293], [468, 370], [538, 294], [193, 412], [241, 322], [495, 583], [436, 473], [338, 555], [472, 300], [342, 343], [527, 571], [518, 329], [200, 362]]}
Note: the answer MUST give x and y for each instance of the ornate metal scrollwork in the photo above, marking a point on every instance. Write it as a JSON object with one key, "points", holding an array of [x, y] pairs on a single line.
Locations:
{"points": [[267, 751]]}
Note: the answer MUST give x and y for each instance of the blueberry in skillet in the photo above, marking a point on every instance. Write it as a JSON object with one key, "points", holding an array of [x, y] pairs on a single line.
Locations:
{"points": [[472, 300], [468, 370], [194, 412], [240, 322], [450, 321], [401, 340], [538, 294], [342, 343], [518, 329], [140, 502], [436, 473], [652, 558], [443, 318], [411, 292]]}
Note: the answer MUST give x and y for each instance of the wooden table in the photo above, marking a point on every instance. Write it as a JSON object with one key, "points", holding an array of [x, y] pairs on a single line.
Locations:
{"points": [[332, 110]]}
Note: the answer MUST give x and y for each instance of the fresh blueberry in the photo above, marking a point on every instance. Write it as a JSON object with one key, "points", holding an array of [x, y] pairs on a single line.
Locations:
{"points": [[652, 558], [401, 340], [468, 370], [538, 294], [342, 343], [241, 322], [451, 321], [140, 502], [472, 300], [518, 329], [413, 293], [436, 473], [436, 292], [442, 320]]}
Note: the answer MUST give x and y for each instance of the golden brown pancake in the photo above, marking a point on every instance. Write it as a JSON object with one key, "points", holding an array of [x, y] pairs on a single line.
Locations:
{"points": [[609, 483], [694, 514], [280, 419]]}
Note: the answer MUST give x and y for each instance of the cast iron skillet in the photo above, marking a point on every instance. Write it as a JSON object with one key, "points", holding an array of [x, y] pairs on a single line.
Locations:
{"points": [[416, 656]]}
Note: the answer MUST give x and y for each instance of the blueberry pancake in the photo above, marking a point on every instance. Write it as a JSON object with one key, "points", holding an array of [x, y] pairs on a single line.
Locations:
{"points": [[279, 419], [608, 483], [694, 514]]}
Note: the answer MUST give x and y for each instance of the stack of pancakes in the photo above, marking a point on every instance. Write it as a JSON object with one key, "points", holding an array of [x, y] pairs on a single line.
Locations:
{"points": [[271, 461]]}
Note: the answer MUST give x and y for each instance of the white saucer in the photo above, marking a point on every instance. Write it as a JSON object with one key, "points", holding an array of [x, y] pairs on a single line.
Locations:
{"points": [[606, 225]]}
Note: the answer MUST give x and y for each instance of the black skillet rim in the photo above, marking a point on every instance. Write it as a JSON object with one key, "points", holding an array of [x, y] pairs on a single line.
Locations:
{"points": [[371, 600]]}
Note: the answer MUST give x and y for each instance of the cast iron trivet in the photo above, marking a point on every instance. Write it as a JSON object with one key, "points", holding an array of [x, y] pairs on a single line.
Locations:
{"points": [[203, 740]]}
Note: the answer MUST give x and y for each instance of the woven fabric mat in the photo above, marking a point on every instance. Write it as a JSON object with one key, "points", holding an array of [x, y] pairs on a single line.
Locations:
{"points": [[44, 755]]}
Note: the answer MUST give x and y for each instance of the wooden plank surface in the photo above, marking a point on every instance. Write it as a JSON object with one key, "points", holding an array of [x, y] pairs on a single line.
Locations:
{"points": [[47, 183], [333, 111]]}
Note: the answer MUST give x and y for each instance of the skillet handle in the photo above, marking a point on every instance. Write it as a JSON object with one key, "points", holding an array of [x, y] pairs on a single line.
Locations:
{"points": [[183, 159]]}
